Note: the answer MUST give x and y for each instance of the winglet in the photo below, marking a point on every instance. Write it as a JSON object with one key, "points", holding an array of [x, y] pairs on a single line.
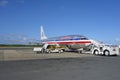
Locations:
{"points": [[43, 37]]}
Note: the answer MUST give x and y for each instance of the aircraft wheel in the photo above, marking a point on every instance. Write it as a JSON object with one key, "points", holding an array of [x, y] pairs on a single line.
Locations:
{"points": [[38, 52], [42, 51], [106, 53], [96, 52]]}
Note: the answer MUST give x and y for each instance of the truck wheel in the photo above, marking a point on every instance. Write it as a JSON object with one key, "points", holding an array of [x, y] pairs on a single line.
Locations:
{"points": [[96, 52], [60, 51], [49, 51], [106, 53]]}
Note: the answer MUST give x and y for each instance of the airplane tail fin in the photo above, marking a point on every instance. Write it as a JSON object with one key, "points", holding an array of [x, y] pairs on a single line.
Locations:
{"points": [[43, 37]]}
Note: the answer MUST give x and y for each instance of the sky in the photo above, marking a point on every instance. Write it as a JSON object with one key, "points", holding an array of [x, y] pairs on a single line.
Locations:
{"points": [[20, 20]]}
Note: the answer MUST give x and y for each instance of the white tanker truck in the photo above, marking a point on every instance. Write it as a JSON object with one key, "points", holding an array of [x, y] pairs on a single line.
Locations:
{"points": [[98, 48]]}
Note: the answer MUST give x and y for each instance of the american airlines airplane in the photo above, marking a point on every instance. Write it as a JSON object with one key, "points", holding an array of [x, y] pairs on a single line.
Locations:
{"points": [[71, 41]]}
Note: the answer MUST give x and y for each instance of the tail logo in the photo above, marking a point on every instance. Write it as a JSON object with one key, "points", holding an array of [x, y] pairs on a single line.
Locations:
{"points": [[43, 37]]}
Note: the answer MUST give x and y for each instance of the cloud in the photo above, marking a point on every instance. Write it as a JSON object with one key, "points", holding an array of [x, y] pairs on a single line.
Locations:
{"points": [[3, 2], [16, 38], [117, 39]]}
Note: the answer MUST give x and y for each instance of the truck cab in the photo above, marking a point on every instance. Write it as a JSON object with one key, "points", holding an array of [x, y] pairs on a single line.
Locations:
{"points": [[104, 49]]}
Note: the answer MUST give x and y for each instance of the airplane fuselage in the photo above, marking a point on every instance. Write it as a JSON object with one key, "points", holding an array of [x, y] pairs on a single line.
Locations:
{"points": [[71, 41]]}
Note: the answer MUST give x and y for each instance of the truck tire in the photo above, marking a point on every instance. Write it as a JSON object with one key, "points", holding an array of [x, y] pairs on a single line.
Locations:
{"points": [[106, 52], [60, 51], [49, 51], [96, 52]]}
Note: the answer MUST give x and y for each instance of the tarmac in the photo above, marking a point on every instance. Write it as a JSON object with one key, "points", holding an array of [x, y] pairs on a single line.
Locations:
{"points": [[80, 68], [28, 54], [24, 64]]}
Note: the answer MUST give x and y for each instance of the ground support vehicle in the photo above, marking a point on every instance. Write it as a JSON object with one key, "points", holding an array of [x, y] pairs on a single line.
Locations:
{"points": [[98, 48], [50, 48], [38, 49]]}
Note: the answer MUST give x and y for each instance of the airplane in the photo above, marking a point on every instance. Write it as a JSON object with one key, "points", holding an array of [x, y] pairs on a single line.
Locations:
{"points": [[73, 42]]}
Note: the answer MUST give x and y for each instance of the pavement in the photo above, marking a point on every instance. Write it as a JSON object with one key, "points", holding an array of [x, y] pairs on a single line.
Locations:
{"points": [[7, 54], [80, 68]]}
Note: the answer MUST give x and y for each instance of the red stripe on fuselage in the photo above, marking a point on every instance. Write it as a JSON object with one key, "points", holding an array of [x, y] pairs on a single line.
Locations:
{"points": [[68, 42]]}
